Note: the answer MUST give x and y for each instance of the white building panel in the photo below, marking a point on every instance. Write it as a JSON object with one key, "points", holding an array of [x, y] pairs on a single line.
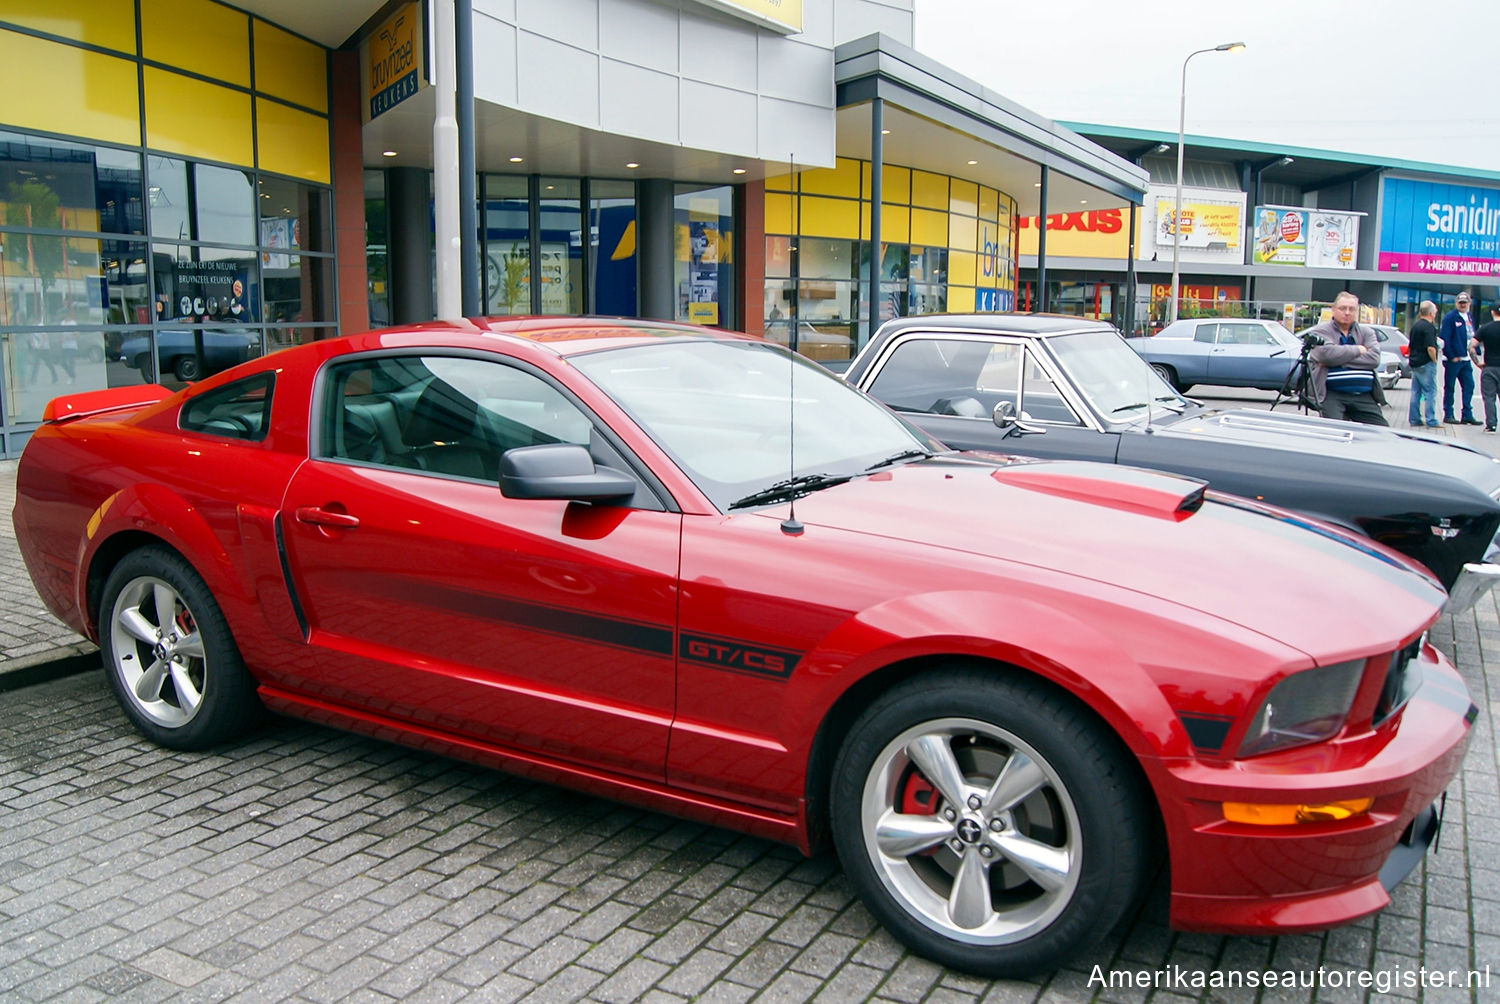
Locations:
{"points": [[575, 22], [557, 81], [494, 61], [796, 72], [719, 50], [857, 18], [718, 118], [640, 102], [643, 32]]}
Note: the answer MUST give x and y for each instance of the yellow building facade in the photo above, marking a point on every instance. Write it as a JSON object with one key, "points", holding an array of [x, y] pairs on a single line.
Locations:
{"points": [[946, 246], [165, 171]]}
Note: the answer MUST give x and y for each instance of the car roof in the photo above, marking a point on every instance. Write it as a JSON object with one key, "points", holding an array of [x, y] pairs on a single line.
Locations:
{"points": [[1008, 322]]}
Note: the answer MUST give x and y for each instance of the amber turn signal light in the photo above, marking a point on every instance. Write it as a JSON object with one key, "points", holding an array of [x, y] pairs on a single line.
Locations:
{"points": [[1259, 814]]}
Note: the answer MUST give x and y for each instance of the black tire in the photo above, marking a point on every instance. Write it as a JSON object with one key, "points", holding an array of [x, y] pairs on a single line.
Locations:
{"points": [[1082, 828], [1169, 374], [142, 364], [177, 675], [187, 368]]}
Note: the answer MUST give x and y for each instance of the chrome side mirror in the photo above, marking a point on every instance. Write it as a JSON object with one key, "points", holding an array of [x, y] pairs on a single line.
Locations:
{"points": [[1007, 420]]}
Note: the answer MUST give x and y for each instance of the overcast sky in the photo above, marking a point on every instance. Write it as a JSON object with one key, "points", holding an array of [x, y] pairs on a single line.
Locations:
{"points": [[1397, 78]]}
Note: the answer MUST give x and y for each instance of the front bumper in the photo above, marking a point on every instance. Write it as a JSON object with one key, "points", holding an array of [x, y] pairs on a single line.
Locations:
{"points": [[1473, 583], [1237, 878]]}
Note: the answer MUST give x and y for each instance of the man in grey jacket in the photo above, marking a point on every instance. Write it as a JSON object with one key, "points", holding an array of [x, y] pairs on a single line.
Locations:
{"points": [[1343, 366]]}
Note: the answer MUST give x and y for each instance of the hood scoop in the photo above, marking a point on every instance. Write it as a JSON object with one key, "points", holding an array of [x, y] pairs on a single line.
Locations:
{"points": [[1284, 425], [1129, 489]]}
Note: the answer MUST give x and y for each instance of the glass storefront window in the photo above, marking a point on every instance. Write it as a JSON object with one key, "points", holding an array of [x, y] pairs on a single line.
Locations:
{"points": [[377, 255], [561, 247], [826, 318], [201, 202], [293, 215], [295, 287], [612, 284], [56, 185], [47, 280], [507, 245], [205, 285], [704, 224]]}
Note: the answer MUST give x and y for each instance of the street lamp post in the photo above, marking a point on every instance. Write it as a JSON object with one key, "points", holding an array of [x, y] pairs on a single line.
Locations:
{"points": [[1181, 128]]}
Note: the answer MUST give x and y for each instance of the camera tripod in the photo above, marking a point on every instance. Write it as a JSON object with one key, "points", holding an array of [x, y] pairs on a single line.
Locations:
{"points": [[1297, 385]]}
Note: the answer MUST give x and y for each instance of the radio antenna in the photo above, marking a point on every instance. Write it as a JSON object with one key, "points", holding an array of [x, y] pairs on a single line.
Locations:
{"points": [[791, 526]]}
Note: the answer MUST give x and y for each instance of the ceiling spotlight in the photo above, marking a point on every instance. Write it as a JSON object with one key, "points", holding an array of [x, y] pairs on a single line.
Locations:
{"points": [[739, 170], [885, 132], [388, 153], [973, 162], [632, 165], [1084, 202], [516, 160], [1036, 184]]}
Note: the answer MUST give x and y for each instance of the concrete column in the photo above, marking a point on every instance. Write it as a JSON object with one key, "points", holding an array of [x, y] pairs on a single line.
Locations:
{"points": [[655, 249], [410, 239]]}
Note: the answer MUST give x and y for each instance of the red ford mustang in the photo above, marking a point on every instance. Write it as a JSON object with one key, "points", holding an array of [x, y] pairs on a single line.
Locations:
{"points": [[682, 568]]}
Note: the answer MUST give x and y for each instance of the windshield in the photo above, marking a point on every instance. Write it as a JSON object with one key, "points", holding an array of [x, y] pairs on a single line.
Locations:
{"points": [[1116, 382], [722, 410]]}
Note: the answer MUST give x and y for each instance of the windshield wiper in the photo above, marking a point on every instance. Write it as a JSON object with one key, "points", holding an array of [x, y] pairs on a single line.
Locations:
{"points": [[896, 458], [1169, 402], [792, 488], [1144, 404]]}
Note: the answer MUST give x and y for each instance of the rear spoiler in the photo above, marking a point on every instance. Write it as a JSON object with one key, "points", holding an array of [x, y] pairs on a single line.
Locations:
{"points": [[97, 402]]}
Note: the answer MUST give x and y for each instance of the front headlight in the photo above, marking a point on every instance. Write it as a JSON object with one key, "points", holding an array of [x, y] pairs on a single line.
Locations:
{"points": [[1306, 707]]}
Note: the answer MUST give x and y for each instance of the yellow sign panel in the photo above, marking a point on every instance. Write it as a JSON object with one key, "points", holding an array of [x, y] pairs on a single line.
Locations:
{"points": [[393, 61], [1099, 233], [782, 15], [1203, 223]]}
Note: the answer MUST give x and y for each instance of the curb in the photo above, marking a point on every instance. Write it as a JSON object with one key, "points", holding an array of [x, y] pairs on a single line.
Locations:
{"points": [[52, 669]]}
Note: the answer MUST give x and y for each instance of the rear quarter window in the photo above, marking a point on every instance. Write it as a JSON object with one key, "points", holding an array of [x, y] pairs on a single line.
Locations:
{"points": [[240, 410]]}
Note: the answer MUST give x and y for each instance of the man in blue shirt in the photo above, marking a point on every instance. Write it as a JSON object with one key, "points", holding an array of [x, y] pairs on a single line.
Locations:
{"points": [[1456, 331], [1343, 366]]}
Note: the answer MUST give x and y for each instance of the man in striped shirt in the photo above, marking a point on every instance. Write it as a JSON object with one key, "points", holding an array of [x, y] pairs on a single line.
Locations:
{"points": [[1343, 366]]}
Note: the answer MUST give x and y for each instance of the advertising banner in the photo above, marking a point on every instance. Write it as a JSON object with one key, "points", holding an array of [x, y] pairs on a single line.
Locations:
{"points": [[392, 61], [784, 16], [216, 291], [1212, 224], [1315, 238], [1439, 229]]}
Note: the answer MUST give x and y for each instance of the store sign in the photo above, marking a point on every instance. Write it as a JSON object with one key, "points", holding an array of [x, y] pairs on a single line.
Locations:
{"points": [[392, 58], [784, 16], [1314, 238], [1439, 229], [1098, 233], [1205, 297]]}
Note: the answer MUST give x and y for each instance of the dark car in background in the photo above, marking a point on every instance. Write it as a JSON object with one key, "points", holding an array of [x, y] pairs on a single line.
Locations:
{"points": [[181, 354], [1065, 387]]}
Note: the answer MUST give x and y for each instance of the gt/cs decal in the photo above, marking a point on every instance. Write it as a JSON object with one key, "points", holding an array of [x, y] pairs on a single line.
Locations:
{"points": [[727, 653]]}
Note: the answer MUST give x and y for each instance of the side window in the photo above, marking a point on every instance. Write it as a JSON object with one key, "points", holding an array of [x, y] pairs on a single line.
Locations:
{"points": [[1040, 398], [1241, 333], [946, 377], [241, 410], [443, 415], [1205, 333]]}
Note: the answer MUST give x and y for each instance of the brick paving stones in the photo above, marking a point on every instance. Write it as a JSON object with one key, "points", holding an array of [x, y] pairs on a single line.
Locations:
{"points": [[307, 865]]}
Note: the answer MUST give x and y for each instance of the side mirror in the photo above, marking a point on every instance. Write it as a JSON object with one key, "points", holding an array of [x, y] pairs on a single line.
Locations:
{"points": [[560, 471], [1006, 419]]}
